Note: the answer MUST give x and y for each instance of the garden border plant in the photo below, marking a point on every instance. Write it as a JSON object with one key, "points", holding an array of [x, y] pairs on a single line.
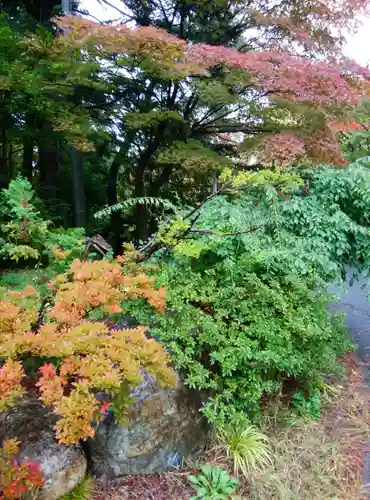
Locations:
{"points": [[27, 237], [245, 313], [84, 354]]}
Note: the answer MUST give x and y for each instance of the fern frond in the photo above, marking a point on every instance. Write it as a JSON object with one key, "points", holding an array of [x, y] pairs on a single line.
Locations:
{"points": [[132, 202]]}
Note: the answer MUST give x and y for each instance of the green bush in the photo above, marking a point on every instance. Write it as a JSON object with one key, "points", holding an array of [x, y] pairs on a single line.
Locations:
{"points": [[26, 236], [239, 327], [23, 231], [330, 222], [244, 313], [307, 406]]}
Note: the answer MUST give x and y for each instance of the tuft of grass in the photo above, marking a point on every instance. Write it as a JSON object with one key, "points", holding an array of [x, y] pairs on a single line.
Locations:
{"points": [[82, 491], [303, 467], [320, 460], [247, 446]]}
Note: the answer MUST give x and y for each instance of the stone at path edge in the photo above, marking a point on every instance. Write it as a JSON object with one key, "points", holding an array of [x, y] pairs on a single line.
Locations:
{"points": [[32, 424], [164, 427]]}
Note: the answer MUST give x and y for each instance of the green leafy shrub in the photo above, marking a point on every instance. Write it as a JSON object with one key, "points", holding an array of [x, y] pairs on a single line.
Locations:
{"points": [[24, 231], [213, 483], [244, 311], [331, 224], [27, 236], [307, 405], [239, 326]]}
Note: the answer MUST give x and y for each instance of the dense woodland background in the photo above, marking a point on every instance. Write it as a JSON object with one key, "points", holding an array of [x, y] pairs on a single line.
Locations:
{"points": [[224, 148], [120, 129]]}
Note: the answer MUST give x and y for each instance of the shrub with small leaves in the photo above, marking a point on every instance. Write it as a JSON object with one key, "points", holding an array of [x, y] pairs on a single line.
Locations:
{"points": [[24, 230], [307, 405], [17, 477], [246, 308], [79, 356], [26, 235], [11, 374]]}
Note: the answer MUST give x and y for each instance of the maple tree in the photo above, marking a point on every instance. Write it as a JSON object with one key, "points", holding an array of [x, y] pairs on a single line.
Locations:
{"points": [[89, 355], [172, 95], [189, 73]]}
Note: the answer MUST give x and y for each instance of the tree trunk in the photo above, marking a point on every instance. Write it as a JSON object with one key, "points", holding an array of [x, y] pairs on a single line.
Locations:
{"points": [[27, 168], [78, 185], [42, 10], [10, 162], [49, 169], [215, 184], [28, 147], [112, 199], [4, 174], [141, 212]]}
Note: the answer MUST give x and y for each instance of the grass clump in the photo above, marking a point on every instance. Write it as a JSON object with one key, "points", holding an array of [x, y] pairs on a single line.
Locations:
{"points": [[82, 491], [246, 445], [321, 459]]}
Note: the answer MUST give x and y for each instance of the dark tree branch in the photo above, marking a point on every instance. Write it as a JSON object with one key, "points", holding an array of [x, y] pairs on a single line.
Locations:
{"points": [[112, 6], [196, 209], [152, 246], [234, 233], [87, 13], [167, 21], [237, 127], [220, 117]]}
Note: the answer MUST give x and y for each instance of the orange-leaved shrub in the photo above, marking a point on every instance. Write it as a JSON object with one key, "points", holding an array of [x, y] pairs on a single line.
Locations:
{"points": [[79, 355], [17, 477]]}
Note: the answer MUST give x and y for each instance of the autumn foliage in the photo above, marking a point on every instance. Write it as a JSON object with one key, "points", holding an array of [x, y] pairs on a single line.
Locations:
{"points": [[17, 477], [275, 72], [312, 95], [88, 356]]}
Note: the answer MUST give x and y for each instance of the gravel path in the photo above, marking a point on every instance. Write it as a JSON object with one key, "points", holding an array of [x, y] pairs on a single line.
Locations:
{"points": [[356, 307]]}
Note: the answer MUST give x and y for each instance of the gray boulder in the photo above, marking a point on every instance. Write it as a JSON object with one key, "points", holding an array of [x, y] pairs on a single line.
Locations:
{"points": [[32, 424], [164, 426]]}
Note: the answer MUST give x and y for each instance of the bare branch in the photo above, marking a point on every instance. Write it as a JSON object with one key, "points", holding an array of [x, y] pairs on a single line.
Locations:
{"points": [[112, 6], [234, 233], [87, 13]]}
